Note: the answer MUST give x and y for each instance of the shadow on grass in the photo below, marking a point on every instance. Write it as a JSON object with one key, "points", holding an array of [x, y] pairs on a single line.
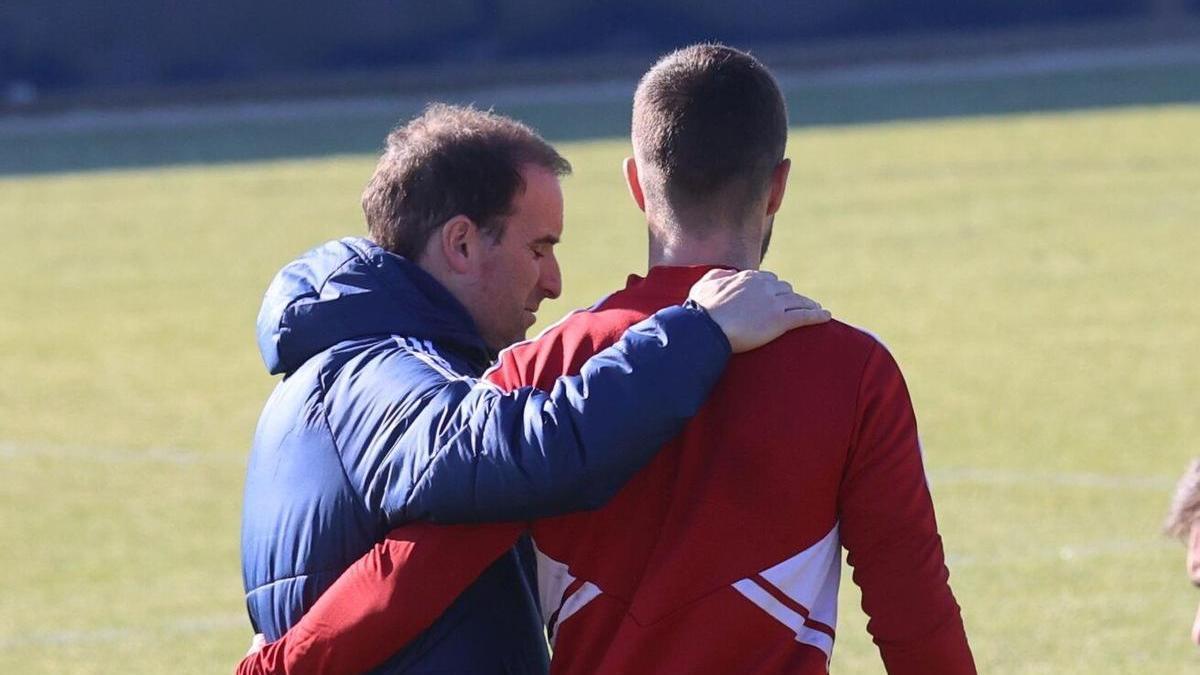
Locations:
{"points": [[358, 130]]}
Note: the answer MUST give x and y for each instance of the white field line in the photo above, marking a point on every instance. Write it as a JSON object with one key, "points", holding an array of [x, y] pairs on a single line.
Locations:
{"points": [[961, 476], [189, 626], [1066, 554], [1069, 553], [1058, 479], [161, 455], [1064, 61], [200, 115]]}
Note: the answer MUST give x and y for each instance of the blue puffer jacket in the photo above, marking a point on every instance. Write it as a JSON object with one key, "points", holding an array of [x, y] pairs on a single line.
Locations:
{"points": [[378, 421]]}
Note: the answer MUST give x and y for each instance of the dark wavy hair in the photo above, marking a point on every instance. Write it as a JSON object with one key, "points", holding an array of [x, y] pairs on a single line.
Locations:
{"points": [[450, 161]]}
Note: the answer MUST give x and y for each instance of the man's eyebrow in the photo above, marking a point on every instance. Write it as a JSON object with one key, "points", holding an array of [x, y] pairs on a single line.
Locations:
{"points": [[548, 239]]}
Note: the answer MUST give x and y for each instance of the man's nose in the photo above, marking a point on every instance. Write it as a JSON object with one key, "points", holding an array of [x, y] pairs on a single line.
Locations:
{"points": [[551, 278]]}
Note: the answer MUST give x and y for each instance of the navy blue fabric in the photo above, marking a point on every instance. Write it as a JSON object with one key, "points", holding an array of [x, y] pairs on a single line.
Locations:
{"points": [[378, 421]]}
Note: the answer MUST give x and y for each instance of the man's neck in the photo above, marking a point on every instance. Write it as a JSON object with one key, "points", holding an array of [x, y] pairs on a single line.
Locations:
{"points": [[722, 250]]}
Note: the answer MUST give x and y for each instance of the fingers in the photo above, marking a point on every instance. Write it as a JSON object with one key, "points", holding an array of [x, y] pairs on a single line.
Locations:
{"points": [[754, 307], [797, 318], [717, 273], [792, 301], [803, 311]]}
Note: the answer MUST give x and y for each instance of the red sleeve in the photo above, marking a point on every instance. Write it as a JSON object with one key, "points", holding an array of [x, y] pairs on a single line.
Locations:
{"points": [[511, 368], [561, 351], [383, 601], [890, 533]]}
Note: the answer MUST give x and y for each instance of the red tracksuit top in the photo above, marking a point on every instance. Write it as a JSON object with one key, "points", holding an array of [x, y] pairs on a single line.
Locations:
{"points": [[723, 555]]}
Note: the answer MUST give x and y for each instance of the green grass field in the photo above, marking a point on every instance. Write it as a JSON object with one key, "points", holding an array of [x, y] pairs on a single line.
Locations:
{"points": [[1035, 274]]}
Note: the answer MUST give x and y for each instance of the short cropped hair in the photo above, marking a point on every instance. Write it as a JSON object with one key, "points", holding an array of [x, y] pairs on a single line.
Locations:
{"points": [[1185, 505], [449, 161], [709, 117]]}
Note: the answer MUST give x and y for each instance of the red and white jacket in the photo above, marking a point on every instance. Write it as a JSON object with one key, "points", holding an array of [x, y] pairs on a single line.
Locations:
{"points": [[723, 555]]}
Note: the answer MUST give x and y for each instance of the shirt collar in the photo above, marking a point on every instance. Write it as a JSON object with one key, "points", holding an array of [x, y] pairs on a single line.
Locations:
{"points": [[665, 279]]}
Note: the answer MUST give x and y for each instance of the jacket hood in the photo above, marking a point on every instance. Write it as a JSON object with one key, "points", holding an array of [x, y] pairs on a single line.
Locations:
{"points": [[352, 288]]}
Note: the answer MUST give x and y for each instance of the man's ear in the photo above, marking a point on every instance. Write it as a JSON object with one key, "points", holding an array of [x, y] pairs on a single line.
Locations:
{"points": [[779, 179], [635, 186], [459, 240]]}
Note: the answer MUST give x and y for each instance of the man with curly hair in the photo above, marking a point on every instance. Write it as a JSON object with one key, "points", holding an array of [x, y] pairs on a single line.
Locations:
{"points": [[1183, 522]]}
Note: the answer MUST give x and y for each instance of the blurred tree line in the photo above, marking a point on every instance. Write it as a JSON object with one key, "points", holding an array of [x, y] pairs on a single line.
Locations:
{"points": [[59, 44]]}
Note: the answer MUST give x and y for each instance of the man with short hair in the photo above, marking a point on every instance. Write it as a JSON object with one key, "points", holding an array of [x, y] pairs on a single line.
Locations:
{"points": [[378, 420], [1183, 523], [723, 555]]}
